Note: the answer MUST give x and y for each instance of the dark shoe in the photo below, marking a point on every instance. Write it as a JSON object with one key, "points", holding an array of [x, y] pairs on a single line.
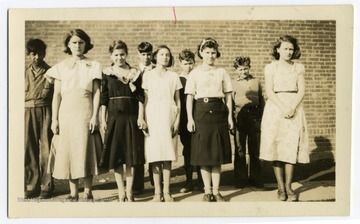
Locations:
{"points": [[219, 198], [187, 188], [122, 198], [30, 194], [291, 195], [256, 184], [131, 198], [282, 195], [88, 197], [71, 198], [45, 194], [207, 198]]}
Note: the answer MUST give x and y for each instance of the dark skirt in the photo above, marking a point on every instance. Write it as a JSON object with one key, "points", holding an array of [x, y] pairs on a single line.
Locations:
{"points": [[124, 141], [210, 144]]}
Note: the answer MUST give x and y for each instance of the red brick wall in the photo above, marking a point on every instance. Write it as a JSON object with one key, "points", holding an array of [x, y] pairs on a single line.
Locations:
{"points": [[251, 38]]}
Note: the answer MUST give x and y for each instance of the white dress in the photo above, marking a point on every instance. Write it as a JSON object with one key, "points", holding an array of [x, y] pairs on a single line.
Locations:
{"points": [[76, 148], [284, 139], [160, 114]]}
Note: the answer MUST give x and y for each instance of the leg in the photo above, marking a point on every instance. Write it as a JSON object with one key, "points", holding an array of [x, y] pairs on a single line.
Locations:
{"points": [[254, 149], [47, 184], [240, 168], [119, 174], [279, 170], [289, 171], [31, 157], [88, 188], [215, 176], [186, 141], [138, 176], [74, 189], [129, 182], [166, 176], [206, 176], [151, 178], [199, 180], [156, 170]]}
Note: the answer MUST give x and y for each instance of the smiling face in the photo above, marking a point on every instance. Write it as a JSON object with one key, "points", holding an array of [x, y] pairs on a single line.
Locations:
{"points": [[243, 71], [286, 51], [118, 56], [209, 55], [76, 46], [163, 57]]}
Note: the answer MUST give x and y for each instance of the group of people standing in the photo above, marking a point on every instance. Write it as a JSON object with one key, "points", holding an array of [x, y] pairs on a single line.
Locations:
{"points": [[145, 108]]}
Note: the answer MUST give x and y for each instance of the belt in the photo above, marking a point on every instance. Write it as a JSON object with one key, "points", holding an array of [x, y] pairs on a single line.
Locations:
{"points": [[121, 97], [285, 91], [209, 99]]}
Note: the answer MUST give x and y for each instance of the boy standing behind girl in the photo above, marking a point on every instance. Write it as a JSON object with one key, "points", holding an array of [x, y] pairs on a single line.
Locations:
{"points": [[187, 62]]}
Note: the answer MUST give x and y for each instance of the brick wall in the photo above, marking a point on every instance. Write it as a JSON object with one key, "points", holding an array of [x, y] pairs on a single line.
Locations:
{"points": [[252, 38]]}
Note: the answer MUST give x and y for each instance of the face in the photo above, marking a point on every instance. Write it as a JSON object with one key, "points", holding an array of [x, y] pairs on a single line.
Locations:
{"points": [[77, 46], [187, 66], [145, 58], [118, 56], [163, 57], [36, 58], [286, 51], [209, 55], [243, 70]]}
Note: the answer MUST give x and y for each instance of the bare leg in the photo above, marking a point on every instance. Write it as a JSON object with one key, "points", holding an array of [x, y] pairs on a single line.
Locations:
{"points": [[119, 173], [206, 176], [156, 168], [129, 179], [215, 176], [166, 175], [74, 187], [279, 170], [289, 171]]}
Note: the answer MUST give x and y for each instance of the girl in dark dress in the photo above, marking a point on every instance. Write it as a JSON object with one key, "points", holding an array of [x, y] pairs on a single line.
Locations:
{"points": [[121, 95]]}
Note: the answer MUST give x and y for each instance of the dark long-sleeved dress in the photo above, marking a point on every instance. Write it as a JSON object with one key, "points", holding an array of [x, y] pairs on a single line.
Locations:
{"points": [[124, 141]]}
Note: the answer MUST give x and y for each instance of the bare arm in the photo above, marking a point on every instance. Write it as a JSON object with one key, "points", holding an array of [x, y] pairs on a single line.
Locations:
{"points": [[301, 92], [142, 116], [228, 101], [96, 105], [103, 117], [175, 127], [189, 111], [55, 107]]}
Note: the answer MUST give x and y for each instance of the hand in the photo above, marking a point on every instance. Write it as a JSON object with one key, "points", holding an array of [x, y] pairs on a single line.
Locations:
{"points": [[103, 126], [289, 113], [141, 124], [55, 127], [174, 131], [191, 126], [93, 124]]}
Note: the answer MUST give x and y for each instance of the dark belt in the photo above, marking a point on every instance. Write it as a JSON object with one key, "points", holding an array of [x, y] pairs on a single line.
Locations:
{"points": [[285, 92], [209, 99]]}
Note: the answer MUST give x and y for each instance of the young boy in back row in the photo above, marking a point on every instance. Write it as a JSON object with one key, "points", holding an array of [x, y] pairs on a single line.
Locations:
{"points": [[38, 98], [187, 62]]}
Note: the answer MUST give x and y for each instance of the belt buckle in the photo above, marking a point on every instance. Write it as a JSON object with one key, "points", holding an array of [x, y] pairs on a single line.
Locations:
{"points": [[206, 100]]}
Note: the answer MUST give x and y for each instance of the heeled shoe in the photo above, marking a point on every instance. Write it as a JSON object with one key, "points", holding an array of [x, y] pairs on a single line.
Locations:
{"points": [[219, 198], [71, 198], [168, 197], [281, 194], [88, 197], [207, 198], [291, 195], [122, 198], [131, 198]]}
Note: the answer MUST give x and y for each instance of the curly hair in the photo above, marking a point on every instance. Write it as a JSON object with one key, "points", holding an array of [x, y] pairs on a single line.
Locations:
{"points": [[242, 61], [289, 39], [36, 46], [186, 55], [208, 43], [82, 35]]}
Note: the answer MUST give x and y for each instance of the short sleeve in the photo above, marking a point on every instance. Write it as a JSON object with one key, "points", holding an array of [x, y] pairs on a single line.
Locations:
{"points": [[53, 73], [301, 69], [227, 86], [269, 69], [178, 82], [144, 84], [190, 84], [96, 71]]}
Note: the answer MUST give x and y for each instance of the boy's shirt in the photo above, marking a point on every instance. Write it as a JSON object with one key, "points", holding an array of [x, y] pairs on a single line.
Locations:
{"points": [[247, 92], [38, 90]]}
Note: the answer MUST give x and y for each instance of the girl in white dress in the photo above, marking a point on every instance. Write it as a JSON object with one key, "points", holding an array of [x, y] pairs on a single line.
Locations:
{"points": [[162, 106], [75, 109], [284, 137]]}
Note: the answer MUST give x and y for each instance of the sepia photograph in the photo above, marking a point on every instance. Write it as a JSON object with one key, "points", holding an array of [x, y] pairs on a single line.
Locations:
{"points": [[183, 111]]}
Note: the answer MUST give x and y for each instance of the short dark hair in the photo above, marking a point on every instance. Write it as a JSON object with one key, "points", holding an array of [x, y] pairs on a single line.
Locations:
{"points": [[145, 47], [82, 35], [154, 55], [242, 61], [36, 46], [118, 44], [186, 55], [289, 39], [209, 43]]}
